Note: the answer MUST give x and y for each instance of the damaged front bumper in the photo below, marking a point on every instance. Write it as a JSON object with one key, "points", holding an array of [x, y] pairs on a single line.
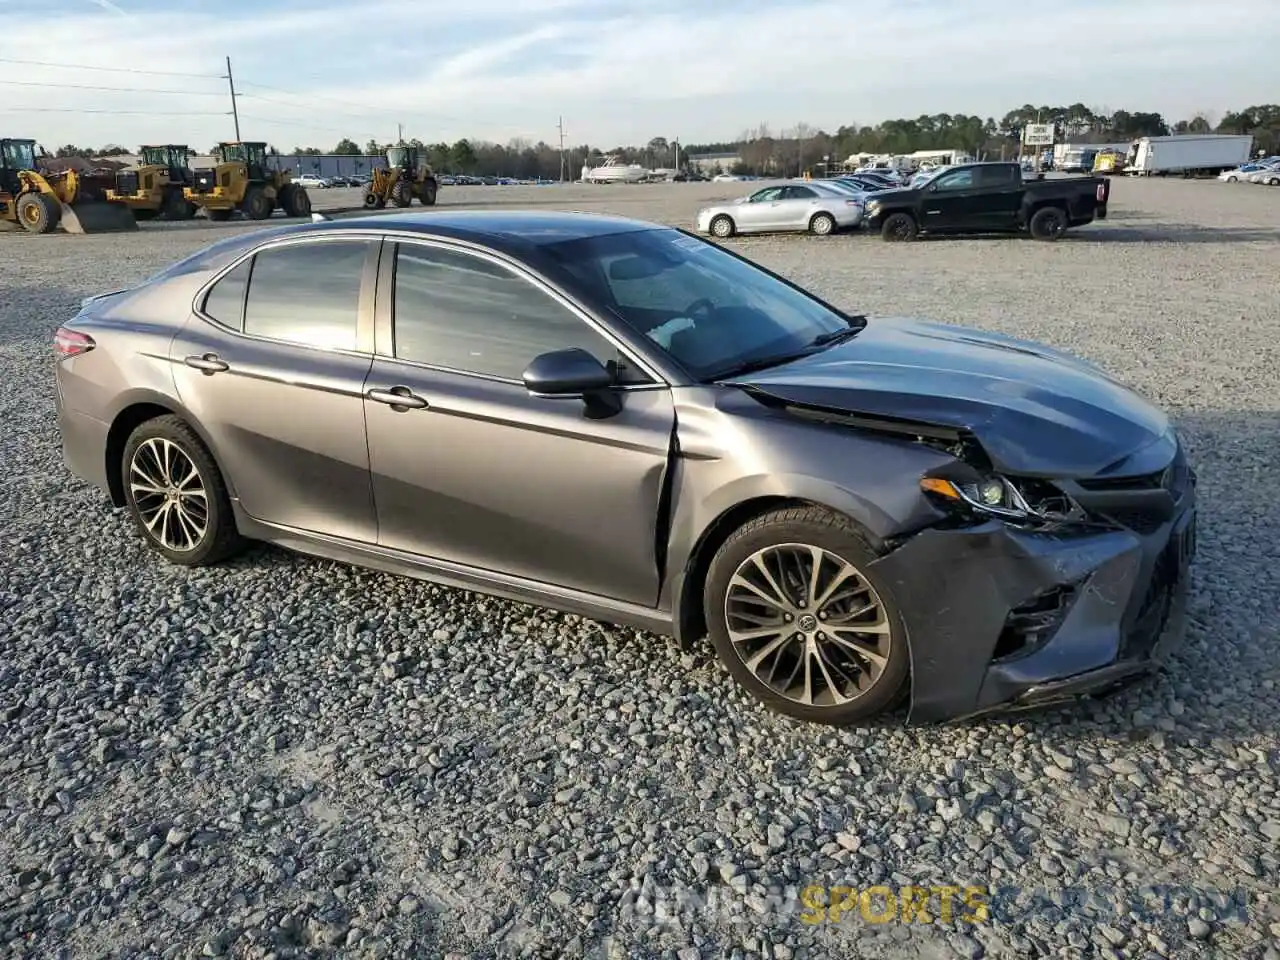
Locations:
{"points": [[1000, 618]]}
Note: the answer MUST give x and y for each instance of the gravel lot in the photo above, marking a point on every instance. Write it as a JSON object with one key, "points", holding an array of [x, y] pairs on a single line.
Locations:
{"points": [[287, 757]]}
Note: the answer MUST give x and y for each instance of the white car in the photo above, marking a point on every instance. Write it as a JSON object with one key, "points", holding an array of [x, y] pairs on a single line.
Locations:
{"points": [[311, 181], [1268, 173], [726, 178], [798, 207]]}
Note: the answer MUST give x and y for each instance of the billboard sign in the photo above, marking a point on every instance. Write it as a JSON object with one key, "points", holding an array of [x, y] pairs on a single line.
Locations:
{"points": [[1038, 134]]}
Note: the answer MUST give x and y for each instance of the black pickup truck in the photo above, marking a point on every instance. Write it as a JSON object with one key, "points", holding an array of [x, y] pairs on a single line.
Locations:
{"points": [[988, 198]]}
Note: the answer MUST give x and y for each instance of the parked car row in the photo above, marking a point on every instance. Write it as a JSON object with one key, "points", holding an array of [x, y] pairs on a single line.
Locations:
{"points": [[1266, 171], [315, 182], [962, 199]]}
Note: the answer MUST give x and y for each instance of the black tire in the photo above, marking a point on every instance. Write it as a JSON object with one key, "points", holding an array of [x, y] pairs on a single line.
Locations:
{"points": [[295, 201], [1048, 223], [372, 201], [38, 212], [256, 204], [429, 191], [841, 539], [219, 216], [402, 194], [722, 226], [220, 538], [175, 206], [899, 228], [822, 224]]}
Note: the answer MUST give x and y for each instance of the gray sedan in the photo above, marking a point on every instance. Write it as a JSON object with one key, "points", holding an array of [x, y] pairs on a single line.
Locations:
{"points": [[802, 207], [635, 424]]}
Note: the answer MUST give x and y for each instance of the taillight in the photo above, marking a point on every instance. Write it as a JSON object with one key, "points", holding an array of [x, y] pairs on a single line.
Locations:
{"points": [[71, 343]]}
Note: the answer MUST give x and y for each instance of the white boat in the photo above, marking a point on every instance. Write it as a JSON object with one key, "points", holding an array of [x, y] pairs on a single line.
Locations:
{"points": [[613, 170]]}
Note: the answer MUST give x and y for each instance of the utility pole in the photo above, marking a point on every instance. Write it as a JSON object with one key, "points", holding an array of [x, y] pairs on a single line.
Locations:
{"points": [[560, 127], [235, 115]]}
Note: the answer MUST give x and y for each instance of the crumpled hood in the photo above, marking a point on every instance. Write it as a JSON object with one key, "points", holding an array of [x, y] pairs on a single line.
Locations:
{"points": [[1035, 411]]}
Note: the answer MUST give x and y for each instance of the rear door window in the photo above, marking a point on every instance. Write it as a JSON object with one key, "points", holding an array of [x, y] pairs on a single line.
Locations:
{"points": [[307, 293]]}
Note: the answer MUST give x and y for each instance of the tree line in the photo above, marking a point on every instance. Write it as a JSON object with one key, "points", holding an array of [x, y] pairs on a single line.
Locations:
{"points": [[761, 150]]}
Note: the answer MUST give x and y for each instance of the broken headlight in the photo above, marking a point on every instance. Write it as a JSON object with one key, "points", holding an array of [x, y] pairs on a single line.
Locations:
{"points": [[997, 496]]}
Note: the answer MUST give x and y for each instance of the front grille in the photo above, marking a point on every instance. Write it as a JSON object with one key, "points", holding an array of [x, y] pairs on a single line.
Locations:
{"points": [[204, 180], [127, 182], [1142, 503], [1142, 521]]}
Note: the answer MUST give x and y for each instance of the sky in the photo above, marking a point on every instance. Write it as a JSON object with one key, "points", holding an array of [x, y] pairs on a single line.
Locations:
{"points": [[310, 73]]}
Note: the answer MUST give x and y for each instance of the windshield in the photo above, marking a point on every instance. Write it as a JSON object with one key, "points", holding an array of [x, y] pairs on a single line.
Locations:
{"points": [[20, 155], [712, 312]]}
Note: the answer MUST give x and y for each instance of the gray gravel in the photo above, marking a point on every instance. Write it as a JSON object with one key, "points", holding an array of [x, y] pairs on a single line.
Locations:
{"points": [[289, 757]]}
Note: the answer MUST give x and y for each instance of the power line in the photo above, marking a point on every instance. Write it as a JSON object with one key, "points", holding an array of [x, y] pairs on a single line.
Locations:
{"points": [[153, 73], [94, 86], [138, 113]]}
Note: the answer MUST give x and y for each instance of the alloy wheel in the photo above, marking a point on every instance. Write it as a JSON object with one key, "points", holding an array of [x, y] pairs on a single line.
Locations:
{"points": [[169, 494], [807, 624]]}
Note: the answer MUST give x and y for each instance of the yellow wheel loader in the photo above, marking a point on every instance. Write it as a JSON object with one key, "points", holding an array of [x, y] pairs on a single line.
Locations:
{"points": [[41, 202], [407, 176], [156, 186], [243, 181]]}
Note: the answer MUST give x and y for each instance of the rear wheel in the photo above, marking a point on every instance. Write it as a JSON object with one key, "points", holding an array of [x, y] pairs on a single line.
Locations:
{"points": [[822, 224], [256, 204], [899, 228], [722, 226], [801, 622], [38, 212], [428, 196], [176, 494], [1048, 223]]}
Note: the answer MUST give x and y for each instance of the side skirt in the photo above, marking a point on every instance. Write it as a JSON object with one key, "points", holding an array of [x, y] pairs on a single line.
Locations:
{"points": [[458, 575]]}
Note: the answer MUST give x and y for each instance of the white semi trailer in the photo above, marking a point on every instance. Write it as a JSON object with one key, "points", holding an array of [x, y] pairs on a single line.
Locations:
{"points": [[1189, 155]]}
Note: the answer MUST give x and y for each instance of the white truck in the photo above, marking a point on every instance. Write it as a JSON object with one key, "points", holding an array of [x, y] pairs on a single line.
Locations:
{"points": [[1189, 155]]}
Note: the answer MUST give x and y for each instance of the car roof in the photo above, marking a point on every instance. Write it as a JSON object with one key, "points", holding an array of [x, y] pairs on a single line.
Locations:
{"points": [[495, 228]]}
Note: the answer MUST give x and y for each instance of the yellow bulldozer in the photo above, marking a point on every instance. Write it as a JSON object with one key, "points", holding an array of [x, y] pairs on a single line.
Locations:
{"points": [[242, 180], [406, 176], [156, 186], [39, 201]]}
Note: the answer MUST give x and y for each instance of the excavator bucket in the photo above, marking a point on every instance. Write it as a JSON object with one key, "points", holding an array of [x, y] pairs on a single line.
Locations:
{"points": [[97, 216]]}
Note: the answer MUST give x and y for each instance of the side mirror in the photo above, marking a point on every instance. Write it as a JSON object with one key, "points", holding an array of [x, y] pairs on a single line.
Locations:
{"points": [[573, 373]]}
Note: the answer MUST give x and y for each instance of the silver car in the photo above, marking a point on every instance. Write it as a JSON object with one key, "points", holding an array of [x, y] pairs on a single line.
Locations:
{"points": [[789, 206]]}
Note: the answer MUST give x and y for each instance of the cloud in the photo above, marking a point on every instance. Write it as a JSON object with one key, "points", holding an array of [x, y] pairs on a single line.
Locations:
{"points": [[623, 72]]}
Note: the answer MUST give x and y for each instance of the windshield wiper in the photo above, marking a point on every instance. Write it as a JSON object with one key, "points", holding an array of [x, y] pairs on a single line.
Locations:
{"points": [[856, 326], [759, 363]]}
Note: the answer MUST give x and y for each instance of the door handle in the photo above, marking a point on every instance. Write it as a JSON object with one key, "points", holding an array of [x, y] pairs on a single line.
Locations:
{"points": [[209, 363], [401, 397]]}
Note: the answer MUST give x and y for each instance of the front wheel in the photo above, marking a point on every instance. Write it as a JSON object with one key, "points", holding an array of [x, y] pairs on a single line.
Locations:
{"points": [[899, 228], [176, 494], [38, 212], [801, 623]]}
